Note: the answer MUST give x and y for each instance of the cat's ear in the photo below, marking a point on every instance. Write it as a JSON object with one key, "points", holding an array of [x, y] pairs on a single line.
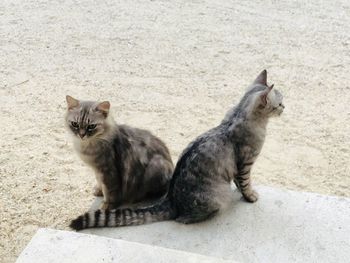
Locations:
{"points": [[104, 107], [263, 96], [262, 78], [71, 102]]}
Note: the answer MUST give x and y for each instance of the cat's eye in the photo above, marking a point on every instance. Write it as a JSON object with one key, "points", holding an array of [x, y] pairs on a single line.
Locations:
{"points": [[91, 127], [75, 124]]}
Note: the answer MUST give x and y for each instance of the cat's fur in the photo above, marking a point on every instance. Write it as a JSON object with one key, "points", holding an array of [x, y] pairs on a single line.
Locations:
{"points": [[130, 164], [200, 186]]}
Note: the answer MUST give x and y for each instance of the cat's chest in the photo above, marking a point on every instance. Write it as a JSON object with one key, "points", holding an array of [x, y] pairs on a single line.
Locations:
{"points": [[248, 152], [88, 158], [250, 149], [92, 154]]}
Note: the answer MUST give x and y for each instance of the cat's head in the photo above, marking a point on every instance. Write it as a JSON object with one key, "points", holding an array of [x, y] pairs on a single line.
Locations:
{"points": [[87, 119], [262, 99]]}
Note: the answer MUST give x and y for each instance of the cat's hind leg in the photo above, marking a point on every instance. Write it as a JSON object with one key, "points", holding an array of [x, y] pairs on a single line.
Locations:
{"points": [[202, 202], [191, 219], [157, 176]]}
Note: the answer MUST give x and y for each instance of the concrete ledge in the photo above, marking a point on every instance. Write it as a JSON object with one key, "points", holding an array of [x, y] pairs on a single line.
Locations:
{"points": [[283, 226], [53, 246]]}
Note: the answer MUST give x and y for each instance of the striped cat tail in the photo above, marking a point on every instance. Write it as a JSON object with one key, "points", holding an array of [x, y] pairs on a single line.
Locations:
{"points": [[125, 216]]}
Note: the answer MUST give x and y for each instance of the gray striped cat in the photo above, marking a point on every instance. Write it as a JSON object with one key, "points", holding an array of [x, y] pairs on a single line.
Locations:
{"points": [[130, 164], [200, 186]]}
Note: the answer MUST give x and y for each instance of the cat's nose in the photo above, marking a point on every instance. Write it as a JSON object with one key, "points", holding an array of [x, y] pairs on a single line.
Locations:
{"points": [[82, 133], [282, 105]]}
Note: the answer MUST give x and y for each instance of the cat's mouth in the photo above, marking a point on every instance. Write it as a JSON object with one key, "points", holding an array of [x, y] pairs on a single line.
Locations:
{"points": [[83, 137], [277, 112], [280, 109]]}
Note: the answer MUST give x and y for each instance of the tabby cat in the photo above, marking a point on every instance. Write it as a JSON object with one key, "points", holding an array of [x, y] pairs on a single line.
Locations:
{"points": [[130, 164], [200, 186]]}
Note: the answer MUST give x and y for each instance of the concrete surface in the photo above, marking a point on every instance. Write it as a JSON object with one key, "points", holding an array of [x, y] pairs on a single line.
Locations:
{"points": [[283, 226], [53, 246]]}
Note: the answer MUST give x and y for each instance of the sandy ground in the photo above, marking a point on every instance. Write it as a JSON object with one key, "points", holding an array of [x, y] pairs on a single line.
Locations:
{"points": [[173, 67]]}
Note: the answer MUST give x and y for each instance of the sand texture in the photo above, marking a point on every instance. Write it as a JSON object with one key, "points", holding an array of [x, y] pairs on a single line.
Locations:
{"points": [[173, 67]]}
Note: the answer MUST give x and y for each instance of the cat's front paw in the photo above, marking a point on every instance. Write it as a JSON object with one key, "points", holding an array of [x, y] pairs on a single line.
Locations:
{"points": [[105, 206], [109, 206], [97, 191], [251, 196]]}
